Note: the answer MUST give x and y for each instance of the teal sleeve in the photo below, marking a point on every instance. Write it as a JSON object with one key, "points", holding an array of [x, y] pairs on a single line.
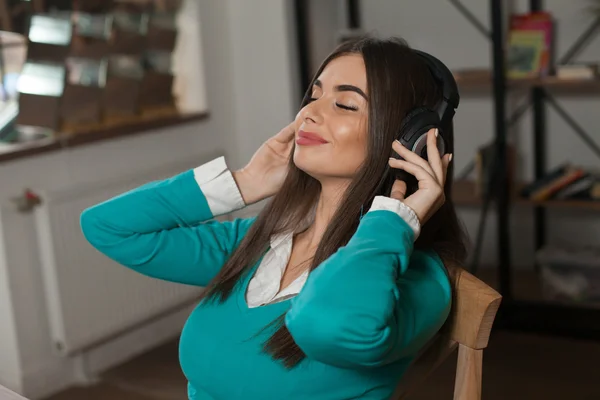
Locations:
{"points": [[372, 302], [164, 230]]}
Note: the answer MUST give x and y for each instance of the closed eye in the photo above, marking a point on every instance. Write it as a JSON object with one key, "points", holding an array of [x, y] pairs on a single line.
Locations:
{"points": [[342, 106], [350, 108]]}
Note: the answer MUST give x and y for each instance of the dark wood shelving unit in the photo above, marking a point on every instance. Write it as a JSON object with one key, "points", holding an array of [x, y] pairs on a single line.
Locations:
{"points": [[521, 309], [465, 194], [481, 81], [524, 306]]}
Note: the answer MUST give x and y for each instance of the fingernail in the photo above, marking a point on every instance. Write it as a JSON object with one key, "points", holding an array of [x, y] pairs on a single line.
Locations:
{"points": [[436, 132], [450, 157], [397, 141]]}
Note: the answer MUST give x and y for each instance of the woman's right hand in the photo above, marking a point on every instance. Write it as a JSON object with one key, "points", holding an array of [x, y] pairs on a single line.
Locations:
{"points": [[263, 175]]}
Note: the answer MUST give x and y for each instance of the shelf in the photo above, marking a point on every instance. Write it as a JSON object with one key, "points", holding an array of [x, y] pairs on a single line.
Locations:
{"points": [[481, 80], [464, 194], [575, 86], [76, 136], [529, 311]]}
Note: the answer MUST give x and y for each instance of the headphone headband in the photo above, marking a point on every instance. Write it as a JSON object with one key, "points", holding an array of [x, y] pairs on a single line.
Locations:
{"points": [[450, 96], [416, 124]]}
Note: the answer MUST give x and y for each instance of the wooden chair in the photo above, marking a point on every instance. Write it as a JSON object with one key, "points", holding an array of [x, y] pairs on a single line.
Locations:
{"points": [[468, 327]]}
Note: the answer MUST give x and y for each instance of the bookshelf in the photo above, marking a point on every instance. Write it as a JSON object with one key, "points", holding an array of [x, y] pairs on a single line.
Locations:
{"points": [[528, 310], [522, 309]]}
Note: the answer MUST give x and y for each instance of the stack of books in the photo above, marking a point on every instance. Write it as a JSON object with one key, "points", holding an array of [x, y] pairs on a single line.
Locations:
{"points": [[578, 71], [565, 182]]}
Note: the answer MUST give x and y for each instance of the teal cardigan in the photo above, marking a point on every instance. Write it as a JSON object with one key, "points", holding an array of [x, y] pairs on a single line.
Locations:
{"points": [[360, 319]]}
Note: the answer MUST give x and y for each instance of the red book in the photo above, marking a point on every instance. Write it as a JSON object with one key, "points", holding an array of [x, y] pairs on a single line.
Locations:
{"points": [[545, 192]]}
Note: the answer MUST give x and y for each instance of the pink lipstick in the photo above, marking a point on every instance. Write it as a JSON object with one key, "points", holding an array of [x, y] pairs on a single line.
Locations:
{"points": [[309, 139]]}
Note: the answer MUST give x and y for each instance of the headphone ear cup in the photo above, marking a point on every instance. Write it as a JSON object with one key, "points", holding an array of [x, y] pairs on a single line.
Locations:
{"points": [[420, 146], [414, 128], [413, 136], [409, 126]]}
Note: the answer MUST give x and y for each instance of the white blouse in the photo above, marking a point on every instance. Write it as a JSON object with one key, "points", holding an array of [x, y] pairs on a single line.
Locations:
{"points": [[223, 196]]}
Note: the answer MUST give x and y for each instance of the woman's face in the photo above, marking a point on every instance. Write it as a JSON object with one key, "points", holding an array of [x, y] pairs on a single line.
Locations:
{"points": [[331, 130]]}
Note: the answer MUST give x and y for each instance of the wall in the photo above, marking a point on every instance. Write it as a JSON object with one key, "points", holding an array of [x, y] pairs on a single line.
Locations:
{"points": [[262, 54], [250, 96], [326, 18], [436, 26]]}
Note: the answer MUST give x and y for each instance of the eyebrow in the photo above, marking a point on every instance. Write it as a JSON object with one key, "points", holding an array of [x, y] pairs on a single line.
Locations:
{"points": [[344, 88]]}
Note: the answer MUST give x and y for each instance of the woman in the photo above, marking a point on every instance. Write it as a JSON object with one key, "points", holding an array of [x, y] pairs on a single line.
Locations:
{"points": [[335, 286]]}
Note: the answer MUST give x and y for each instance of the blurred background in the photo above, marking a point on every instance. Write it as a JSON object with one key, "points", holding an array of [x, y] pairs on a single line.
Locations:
{"points": [[97, 97]]}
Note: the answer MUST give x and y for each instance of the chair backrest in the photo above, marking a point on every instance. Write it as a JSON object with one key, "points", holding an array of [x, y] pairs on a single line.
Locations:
{"points": [[468, 327]]}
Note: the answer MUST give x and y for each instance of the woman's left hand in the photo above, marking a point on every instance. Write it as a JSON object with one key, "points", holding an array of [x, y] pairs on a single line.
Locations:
{"points": [[431, 177]]}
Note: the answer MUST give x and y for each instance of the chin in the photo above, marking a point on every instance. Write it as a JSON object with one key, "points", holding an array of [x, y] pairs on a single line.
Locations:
{"points": [[308, 163], [314, 164], [319, 166]]}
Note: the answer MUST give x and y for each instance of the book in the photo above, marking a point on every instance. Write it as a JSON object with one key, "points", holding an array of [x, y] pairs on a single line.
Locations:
{"points": [[96, 26], [555, 173], [577, 189], [530, 45], [546, 191], [50, 29], [130, 22], [578, 71], [42, 79], [125, 66], [86, 72], [595, 191]]}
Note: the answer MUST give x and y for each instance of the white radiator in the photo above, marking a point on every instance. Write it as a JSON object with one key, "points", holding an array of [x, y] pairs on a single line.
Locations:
{"points": [[90, 298]]}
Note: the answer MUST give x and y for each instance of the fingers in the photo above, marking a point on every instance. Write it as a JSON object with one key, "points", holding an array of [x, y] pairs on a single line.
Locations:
{"points": [[398, 190], [433, 155], [435, 166], [287, 134], [414, 169], [445, 163], [412, 157]]}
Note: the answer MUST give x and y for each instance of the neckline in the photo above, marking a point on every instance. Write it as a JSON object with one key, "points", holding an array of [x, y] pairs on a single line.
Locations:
{"points": [[241, 294]]}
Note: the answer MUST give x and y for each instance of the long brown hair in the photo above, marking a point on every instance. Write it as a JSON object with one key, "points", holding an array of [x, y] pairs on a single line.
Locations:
{"points": [[397, 81]]}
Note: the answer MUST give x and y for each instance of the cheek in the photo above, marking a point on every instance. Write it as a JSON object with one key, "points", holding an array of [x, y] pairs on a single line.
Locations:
{"points": [[345, 153], [350, 141]]}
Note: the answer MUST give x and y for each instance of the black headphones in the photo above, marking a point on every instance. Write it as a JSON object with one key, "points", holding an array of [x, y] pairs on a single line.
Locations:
{"points": [[416, 124]]}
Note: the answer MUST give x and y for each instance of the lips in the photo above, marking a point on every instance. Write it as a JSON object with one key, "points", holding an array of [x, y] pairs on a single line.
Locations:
{"points": [[309, 139]]}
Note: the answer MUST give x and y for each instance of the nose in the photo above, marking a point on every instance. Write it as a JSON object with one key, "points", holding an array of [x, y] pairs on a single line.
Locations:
{"points": [[311, 113]]}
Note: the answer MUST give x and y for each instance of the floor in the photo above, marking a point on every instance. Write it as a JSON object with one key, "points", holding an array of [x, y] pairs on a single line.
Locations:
{"points": [[516, 366]]}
